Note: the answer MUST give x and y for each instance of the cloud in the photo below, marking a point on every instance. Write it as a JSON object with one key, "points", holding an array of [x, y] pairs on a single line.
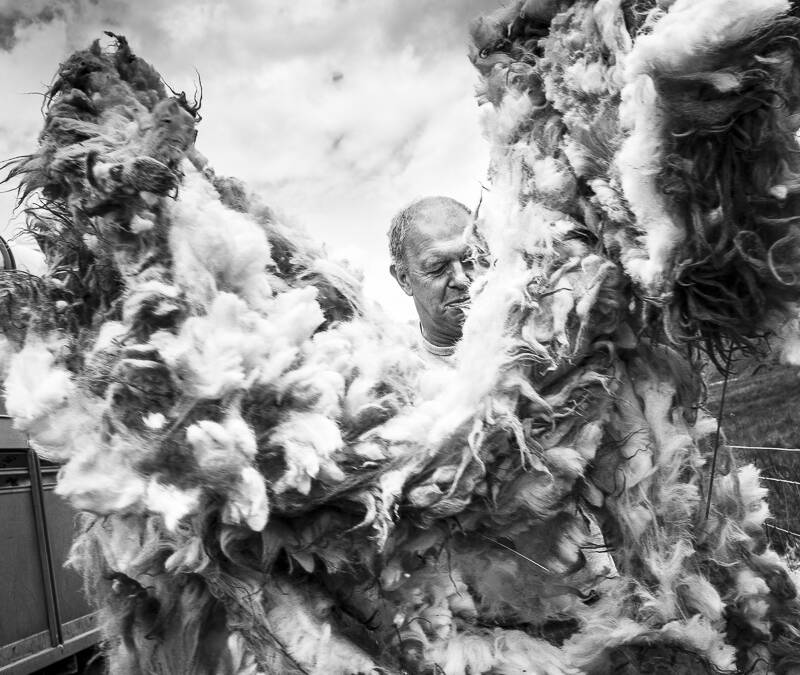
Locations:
{"points": [[14, 18], [339, 112]]}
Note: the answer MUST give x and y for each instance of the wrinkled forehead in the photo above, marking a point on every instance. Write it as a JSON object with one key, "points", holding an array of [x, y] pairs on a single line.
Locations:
{"points": [[438, 230]]}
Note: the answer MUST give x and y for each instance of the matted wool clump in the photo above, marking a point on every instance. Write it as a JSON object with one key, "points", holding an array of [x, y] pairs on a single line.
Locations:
{"points": [[275, 481]]}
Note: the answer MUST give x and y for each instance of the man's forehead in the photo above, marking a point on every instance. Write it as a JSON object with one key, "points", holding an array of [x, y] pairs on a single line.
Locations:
{"points": [[438, 229]]}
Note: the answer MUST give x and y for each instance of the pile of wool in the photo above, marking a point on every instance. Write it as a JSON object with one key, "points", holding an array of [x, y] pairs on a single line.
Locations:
{"points": [[656, 140], [274, 481]]}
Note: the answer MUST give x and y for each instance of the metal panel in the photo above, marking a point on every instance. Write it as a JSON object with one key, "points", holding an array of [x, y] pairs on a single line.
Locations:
{"points": [[21, 578], [32, 654], [45, 555], [10, 438], [61, 527], [49, 618]]}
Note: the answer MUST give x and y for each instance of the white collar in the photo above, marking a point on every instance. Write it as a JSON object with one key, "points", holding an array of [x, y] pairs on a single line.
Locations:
{"points": [[436, 350]]}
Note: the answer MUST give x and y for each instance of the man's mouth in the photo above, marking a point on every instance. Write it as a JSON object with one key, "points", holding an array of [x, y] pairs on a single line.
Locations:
{"points": [[461, 303]]}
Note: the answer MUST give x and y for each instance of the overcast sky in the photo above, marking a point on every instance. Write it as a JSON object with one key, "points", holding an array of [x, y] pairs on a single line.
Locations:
{"points": [[338, 112]]}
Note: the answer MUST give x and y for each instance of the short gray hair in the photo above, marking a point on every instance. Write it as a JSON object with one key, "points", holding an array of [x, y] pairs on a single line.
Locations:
{"points": [[402, 222]]}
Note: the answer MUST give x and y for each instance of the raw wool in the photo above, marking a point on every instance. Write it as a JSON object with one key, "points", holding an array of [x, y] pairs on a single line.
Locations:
{"points": [[687, 34], [307, 441], [517, 651], [648, 478], [200, 342], [60, 419], [788, 340], [741, 232], [6, 352], [639, 162], [215, 353], [149, 628], [36, 386], [692, 31], [273, 485], [214, 249], [704, 638], [171, 503], [298, 621]]}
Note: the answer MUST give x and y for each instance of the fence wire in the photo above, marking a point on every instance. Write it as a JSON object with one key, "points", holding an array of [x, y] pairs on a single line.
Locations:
{"points": [[773, 473], [758, 447]]}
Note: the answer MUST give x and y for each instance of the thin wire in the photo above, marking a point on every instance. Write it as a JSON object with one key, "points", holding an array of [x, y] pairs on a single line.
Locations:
{"points": [[780, 480], [530, 560], [714, 384], [719, 429], [758, 447], [780, 529]]}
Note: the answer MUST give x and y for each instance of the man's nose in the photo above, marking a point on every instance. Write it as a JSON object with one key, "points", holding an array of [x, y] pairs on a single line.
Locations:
{"points": [[459, 275]]}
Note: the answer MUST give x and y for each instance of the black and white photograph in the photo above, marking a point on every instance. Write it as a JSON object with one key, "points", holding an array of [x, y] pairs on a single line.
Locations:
{"points": [[400, 337]]}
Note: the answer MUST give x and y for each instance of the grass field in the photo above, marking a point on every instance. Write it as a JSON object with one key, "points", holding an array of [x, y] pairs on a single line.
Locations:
{"points": [[762, 408]]}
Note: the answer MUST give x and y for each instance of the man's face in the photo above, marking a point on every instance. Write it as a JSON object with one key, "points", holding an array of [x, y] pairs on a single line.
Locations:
{"points": [[438, 272]]}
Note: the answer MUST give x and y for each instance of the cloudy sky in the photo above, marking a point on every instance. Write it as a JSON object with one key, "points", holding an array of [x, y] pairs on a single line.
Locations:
{"points": [[338, 112]]}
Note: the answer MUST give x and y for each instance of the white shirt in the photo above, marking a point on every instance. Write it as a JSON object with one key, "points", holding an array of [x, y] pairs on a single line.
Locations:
{"points": [[441, 354]]}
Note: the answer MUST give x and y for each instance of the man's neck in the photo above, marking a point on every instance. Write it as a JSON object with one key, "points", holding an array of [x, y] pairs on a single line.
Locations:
{"points": [[434, 348]]}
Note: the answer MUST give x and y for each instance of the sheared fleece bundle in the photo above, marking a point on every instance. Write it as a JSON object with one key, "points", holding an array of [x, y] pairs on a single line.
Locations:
{"points": [[275, 482]]}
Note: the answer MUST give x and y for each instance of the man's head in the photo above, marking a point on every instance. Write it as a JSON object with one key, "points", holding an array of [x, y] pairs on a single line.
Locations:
{"points": [[431, 262]]}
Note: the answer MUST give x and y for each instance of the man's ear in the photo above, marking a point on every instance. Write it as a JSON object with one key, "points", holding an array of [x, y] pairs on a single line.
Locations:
{"points": [[400, 275]]}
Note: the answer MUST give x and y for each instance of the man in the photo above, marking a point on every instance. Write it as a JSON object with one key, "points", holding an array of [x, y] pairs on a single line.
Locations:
{"points": [[431, 261]]}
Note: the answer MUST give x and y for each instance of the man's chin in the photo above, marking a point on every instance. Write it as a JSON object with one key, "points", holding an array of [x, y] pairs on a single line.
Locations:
{"points": [[456, 313]]}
